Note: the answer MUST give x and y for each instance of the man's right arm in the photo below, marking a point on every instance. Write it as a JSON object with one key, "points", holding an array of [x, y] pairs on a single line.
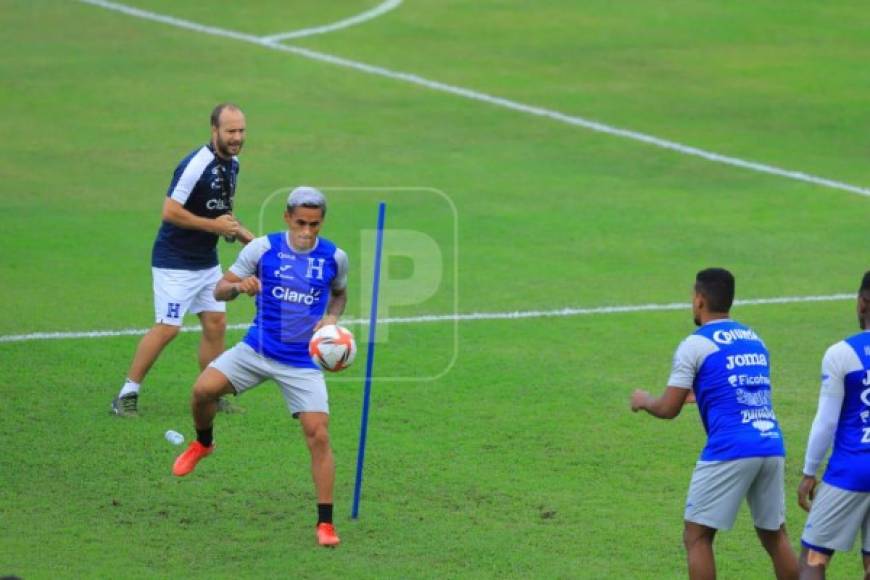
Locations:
{"points": [[824, 425], [174, 213], [241, 277], [230, 286]]}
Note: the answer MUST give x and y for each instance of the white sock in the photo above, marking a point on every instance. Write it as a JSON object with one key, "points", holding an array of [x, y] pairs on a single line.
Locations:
{"points": [[128, 388]]}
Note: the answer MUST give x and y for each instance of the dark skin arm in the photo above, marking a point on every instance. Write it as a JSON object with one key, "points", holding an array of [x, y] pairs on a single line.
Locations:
{"points": [[807, 491], [667, 406]]}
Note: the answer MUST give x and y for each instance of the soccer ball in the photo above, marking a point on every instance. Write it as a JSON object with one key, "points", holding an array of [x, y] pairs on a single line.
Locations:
{"points": [[332, 348]]}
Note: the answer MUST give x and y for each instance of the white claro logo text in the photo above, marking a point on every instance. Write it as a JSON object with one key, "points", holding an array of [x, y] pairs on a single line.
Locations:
{"points": [[216, 204], [744, 360], [292, 296]]}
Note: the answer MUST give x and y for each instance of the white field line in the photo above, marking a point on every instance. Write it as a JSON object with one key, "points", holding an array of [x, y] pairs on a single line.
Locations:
{"points": [[488, 99], [382, 8], [559, 313]]}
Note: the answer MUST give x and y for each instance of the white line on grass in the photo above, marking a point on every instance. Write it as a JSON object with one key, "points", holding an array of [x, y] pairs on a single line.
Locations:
{"points": [[378, 10], [489, 99], [558, 313]]}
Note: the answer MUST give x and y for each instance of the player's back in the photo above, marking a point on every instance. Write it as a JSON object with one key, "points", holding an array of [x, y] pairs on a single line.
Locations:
{"points": [[733, 391]]}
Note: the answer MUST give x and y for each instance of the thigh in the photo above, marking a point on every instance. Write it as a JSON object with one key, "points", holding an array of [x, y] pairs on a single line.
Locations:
{"points": [[304, 390], [835, 518], [204, 300], [717, 490], [766, 495], [244, 368]]}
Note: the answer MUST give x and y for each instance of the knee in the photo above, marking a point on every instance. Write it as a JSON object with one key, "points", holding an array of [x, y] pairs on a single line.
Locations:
{"points": [[203, 392], [215, 326], [317, 437], [166, 332], [815, 560], [693, 538]]}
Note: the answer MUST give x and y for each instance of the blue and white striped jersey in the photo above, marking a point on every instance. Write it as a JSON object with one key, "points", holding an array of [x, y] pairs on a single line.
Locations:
{"points": [[204, 184]]}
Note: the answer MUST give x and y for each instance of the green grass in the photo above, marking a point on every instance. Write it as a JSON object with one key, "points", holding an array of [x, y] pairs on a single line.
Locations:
{"points": [[522, 460]]}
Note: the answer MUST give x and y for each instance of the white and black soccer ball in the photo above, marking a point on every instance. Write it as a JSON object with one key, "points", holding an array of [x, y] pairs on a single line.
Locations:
{"points": [[332, 348]]}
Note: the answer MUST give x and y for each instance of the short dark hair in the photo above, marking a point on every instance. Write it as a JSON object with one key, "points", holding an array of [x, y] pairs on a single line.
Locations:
{"points": [[717, 286], [216, 112], [864, 290]]}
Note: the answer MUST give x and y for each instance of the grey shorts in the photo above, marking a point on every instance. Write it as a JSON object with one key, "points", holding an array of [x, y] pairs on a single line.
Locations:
{"points": [[835, 518], [304, 390], [718, 489]]}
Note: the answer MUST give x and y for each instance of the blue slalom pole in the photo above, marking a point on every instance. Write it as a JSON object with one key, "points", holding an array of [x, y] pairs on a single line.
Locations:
{"points": [[370, 360]]}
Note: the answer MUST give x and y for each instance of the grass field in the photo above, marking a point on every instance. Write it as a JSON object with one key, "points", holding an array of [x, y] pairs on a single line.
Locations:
{"points": [[521, 460]]}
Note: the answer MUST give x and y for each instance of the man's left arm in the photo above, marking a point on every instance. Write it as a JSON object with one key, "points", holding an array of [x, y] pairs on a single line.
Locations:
{"points": [[337, 292], [337, 303]]}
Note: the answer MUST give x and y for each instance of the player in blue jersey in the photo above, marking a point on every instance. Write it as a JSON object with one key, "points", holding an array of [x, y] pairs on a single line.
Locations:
{"points": [[727, 367], [299, 282], [184, 261], [842, 505]]}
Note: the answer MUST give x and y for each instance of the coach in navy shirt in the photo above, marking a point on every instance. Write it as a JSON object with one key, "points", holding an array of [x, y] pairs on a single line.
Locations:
{"points": [[197, 211]]}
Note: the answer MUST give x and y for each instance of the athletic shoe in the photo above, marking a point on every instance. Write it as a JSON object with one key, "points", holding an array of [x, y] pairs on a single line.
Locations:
{"points": [[126, 406], [326, 535], [226, 405], [186, 462]]}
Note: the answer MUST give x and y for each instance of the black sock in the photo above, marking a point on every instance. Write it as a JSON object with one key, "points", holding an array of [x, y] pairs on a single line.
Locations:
{"points": [[324, 513], [205, 436]]}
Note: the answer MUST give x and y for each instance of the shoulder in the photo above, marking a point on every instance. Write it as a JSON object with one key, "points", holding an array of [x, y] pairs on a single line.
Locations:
{"points": [[841, 358], [256, 248], [696, 346], [197, 160]]}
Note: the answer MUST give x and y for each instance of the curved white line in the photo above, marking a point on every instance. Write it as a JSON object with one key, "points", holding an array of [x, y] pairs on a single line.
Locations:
{"points": [[485, 98], [382, 8]]}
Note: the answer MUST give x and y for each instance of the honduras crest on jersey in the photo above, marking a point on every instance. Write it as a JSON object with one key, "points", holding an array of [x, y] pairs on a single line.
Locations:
{"points": [[295, 293], [732, 387]]}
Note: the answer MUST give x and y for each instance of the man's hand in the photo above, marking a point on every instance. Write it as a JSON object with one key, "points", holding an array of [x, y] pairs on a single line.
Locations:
{"points": [[226, 225], [326, 321], [690, 398], [807, 491], [639, 400], [250, 286]]}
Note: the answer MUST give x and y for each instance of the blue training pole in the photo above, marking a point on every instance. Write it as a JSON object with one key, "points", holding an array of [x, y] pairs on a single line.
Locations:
{"points": [[370, 360]]}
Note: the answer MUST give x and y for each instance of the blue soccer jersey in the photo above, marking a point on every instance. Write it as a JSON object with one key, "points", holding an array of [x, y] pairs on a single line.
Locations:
{"points": [[846, 372], [728, 367], [205, 185], [295, 293]]}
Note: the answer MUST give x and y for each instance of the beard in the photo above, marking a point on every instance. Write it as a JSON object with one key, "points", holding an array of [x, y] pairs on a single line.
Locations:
{"points": [[224, 147]]}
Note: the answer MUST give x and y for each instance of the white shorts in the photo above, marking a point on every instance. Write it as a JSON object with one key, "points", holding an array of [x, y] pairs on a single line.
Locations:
{"points": [[304, 390], [835, 519], [718, 489], [177, 292]]}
